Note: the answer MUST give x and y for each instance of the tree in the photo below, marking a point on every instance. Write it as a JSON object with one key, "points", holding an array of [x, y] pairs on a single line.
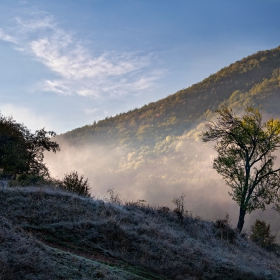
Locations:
{"points": [[261, 234], [37, 144], [74, 183], [245, 160], [13, 152], [22, 152]]}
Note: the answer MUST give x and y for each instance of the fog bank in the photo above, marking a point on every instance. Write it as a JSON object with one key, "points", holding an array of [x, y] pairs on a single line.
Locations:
{"points": [[180, 167]]}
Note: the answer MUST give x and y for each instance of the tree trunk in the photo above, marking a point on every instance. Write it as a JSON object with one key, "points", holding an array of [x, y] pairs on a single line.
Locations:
{"points": [[240, 224]]}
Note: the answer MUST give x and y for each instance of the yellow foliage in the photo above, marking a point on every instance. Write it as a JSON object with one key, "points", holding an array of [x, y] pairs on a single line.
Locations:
{"points": [[273, 125], [168, 138]]}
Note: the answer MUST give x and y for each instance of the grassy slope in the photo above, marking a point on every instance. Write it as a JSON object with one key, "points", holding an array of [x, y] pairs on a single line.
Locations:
{"points": [[104, 240], [24, 257]]}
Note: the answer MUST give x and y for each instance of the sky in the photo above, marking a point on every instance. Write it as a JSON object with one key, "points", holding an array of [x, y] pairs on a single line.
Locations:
{"points": [[65, 64]]}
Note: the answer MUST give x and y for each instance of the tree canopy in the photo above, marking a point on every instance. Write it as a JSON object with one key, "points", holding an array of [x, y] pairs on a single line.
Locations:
{"points": [[21, 151], [245, 159], [12, 146]]}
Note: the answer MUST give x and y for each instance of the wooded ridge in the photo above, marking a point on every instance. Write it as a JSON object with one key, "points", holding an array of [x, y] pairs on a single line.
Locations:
{"points": [[253, 80]]}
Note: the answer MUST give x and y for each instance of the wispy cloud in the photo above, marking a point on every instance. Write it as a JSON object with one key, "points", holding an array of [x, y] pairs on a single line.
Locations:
{"points": [[77, 69], [7, 38], [91, 111]]}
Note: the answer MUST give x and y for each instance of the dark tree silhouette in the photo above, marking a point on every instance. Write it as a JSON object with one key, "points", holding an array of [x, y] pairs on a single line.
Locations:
{"points": [[22, 152]]}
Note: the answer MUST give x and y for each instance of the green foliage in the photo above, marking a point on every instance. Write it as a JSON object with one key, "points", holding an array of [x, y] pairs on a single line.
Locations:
{"points": [[261, 234], [245, 146], [22, 155], [74, 183], [37, 144], [21, 151], [13, 150]]}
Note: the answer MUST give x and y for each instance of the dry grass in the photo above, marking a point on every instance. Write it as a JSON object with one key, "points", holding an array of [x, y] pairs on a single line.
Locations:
{"points": [[24, 257], [144, 241]]}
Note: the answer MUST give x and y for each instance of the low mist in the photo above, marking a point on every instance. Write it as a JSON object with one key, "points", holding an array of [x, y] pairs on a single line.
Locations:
{"points": [[178, 167]]}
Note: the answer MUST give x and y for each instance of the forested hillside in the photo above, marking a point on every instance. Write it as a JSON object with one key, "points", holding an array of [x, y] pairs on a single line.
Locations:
{"points": [[254, 79]]}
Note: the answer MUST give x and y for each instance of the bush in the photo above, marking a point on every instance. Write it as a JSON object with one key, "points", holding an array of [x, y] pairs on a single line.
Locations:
{"points": [[261, 235], [224, 229], [179, 210], [74, 183], [114, 198], [25, 180], [71, 182]]}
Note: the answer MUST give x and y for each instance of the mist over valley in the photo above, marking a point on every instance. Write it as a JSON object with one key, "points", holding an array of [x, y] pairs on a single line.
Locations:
{"points": [[155, 153]]}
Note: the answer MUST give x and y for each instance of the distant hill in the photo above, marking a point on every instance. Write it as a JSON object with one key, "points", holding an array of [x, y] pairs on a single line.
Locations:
{"points": [[252, 80]]}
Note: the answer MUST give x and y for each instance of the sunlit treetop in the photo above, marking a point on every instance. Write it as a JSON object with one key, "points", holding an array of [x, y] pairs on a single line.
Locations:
{"points": [[245, 160]]}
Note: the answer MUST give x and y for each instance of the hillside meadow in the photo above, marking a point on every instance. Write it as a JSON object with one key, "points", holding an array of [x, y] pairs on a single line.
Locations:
{"points": [[50, 234]]}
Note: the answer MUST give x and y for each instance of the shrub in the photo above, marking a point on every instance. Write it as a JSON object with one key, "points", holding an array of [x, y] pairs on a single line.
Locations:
{"points": [[74, 183], [163, 210], [114, 198], [261, 235], [224, 229], [71, 182], [179, 210], [24, 180]]}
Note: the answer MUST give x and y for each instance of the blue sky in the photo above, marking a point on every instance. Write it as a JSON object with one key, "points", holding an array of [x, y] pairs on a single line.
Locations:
{"points": [[65, 64]]}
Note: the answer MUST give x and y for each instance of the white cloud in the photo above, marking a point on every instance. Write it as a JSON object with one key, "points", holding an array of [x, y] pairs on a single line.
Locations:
{"points": [[72, 61], [78, 71], [39, 20], [7, 38], [57, 86]]}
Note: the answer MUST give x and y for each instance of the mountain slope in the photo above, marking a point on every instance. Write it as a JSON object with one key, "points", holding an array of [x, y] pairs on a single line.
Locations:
{"points": [[110, 241], [254, 79]]}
